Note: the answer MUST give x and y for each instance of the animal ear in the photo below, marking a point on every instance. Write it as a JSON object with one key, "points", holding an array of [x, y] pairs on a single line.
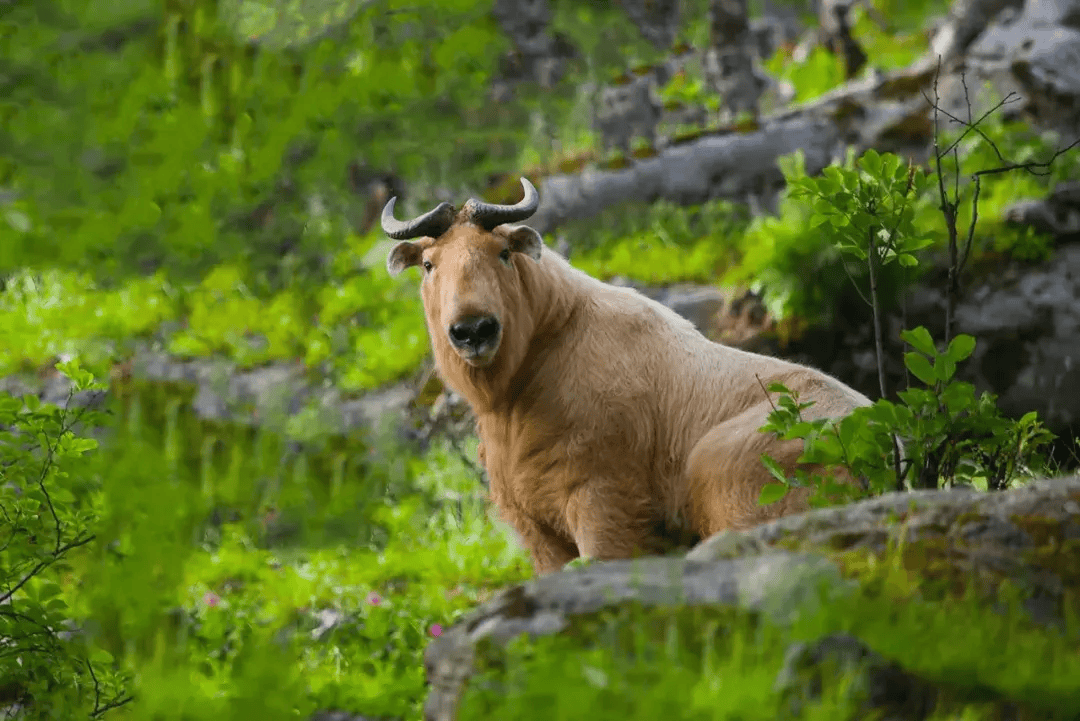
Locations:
{"points": [[404, 255], [523, 239]]}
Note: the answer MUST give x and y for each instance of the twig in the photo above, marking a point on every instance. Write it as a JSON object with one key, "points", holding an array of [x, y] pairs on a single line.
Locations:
{"points": [[765, 391]]}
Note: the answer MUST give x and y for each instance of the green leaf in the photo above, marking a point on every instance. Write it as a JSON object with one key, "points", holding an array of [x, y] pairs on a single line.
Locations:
{"points": [[919, 339], [907, 260], [773, 468], [101, 656], [920, 367], [771, 493], [944, 368], [871, 162], [960, 347]]}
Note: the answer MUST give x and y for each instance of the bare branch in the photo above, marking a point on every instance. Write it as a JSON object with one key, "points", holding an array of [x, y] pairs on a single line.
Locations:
{"points": [[765, 391]]}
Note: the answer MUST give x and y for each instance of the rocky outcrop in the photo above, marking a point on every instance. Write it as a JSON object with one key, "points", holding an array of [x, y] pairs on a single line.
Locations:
{"points": [[1037, 52], [1028, 538], [537, 55], [1057, 215], [1026, 321]]}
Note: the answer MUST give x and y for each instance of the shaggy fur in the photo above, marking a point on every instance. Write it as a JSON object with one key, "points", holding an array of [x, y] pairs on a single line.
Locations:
{"points": [[609, 425]]}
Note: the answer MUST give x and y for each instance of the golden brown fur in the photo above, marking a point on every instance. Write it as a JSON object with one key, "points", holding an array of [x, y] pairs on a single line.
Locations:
{"points": [[607, 422]]}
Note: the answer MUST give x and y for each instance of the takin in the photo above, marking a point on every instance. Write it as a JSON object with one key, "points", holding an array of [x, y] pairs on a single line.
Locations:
{"points": [[609, 426]]}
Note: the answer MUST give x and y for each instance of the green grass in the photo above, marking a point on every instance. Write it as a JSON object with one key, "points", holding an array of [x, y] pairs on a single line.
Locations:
{"points": [[218, 550]]}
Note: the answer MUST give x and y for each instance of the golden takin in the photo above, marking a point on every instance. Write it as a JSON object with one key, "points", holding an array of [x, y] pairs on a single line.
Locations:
{"points": [[609, 426]]}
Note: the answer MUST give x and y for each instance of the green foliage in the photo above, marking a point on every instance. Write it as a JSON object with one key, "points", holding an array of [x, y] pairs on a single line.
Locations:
{"points": [[797, 259], [50, 511], [866, 209], [237, 577], [689, 89], [664, 243], [58, 313], [819, 73], [949, 436]]}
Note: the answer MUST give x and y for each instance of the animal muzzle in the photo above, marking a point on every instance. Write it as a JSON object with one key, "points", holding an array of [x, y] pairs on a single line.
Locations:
{"points": [[476, 337]]}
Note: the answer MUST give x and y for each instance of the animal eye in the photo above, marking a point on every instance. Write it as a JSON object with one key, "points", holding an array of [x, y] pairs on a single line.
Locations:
{"points": [[427, 265], [504, 256]]}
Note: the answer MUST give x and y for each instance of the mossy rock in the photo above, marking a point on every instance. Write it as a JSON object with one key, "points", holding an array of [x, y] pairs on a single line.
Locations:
{"points": [[918, 574]]}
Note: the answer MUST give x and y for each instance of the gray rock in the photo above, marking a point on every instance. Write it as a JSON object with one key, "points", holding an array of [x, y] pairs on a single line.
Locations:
{"points": [[1001, 535], [988, 537], [777, 583], [699, 304], [1058, 214], [1039, 50], [345, 716]]}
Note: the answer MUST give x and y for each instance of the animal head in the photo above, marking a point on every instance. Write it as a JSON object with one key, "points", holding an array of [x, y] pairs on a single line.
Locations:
{"points": [[471, 262]]}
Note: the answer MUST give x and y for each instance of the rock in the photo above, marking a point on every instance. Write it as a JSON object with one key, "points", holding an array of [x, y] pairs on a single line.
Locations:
{"points": [[627, 111], [1028, 332], [967, 19], [345, 716], [271, 395], [699, 304], [1028, 536], [731, 60], [1058, 214], [1026, 321], [538, 55], [878, 685], [777, 583], [1038, 50], [657, 20]]}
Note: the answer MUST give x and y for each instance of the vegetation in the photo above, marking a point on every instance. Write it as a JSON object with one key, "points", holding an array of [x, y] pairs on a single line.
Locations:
{"points": [[196, 177]]}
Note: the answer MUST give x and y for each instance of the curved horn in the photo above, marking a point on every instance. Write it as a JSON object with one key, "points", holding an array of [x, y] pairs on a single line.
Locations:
{"points": [[432, 223], [488, 215]]}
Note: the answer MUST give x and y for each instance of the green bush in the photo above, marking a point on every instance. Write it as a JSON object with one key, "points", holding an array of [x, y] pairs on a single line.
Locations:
{"points": [[50, 667]]}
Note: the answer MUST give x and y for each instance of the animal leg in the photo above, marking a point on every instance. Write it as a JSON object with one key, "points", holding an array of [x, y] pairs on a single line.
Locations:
{"points": [[607, 523], [549, 550], [725, 474]]}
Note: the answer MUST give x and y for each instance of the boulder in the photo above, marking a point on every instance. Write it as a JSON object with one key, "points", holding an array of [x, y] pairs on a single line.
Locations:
{"points": [[1028, 537]]}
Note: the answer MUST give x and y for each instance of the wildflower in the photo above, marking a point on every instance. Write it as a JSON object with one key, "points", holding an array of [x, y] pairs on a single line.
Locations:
{"points": [[374, 599], [211, 599], [436, 630]]}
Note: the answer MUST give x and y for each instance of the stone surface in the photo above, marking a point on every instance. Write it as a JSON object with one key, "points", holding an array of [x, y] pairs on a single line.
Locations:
{"points": [[1058, 214], [1035, 51], [1029, 536], [777, 583]]}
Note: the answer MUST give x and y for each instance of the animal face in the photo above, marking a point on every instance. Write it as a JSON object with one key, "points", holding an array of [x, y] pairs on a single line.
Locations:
{"points": [[471, 285]]}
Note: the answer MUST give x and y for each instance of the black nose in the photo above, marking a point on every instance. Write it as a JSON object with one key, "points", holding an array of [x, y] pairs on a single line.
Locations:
{"points": [[474, 332]]}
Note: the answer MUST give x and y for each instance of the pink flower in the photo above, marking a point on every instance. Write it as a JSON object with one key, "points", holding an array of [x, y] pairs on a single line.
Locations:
{"points": [[211, 599], [374, 599], [436, 630]]}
